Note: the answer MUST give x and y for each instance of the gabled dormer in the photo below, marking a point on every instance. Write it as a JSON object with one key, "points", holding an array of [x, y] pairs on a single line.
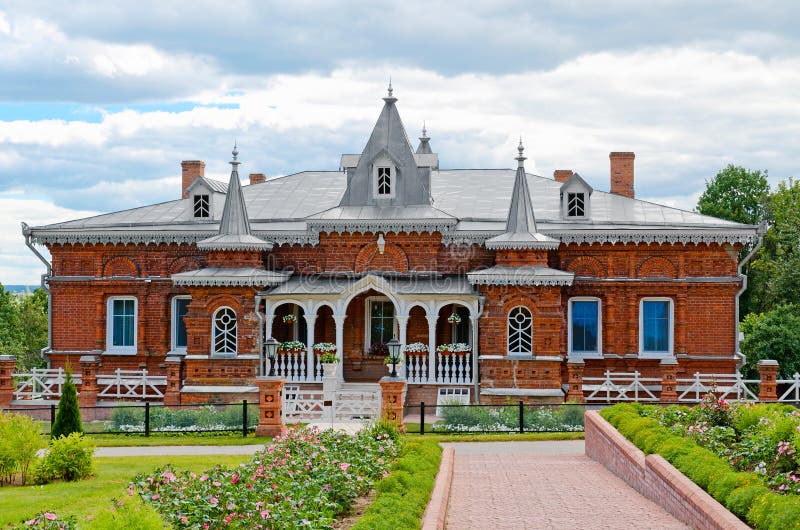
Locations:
{"points": [[576, 196], [202, 192], [386, 173]]}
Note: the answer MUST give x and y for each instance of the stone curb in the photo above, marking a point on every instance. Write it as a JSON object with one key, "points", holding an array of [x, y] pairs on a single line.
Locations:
{"points": [[655, 478], [436, 512]]}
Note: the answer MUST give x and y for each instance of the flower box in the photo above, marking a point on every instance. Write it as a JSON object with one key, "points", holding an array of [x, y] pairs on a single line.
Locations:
{"points": [[291, 347], [415, 348], [453, 348], [324, 347], [289, 319]]}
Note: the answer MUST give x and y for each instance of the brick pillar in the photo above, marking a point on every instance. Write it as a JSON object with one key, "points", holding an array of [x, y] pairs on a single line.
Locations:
{"points": [[270, 395], [89, 366], [172, 394], [669, 380], [768, 373], [393, 396], [575, 380], [7, 364]]}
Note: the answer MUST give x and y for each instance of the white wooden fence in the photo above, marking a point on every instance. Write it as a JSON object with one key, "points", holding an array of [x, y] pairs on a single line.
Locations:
{"points": [[47, 384], [42, 383]]}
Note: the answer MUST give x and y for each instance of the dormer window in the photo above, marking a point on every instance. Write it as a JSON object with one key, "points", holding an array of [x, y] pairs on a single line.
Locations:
{"points": [[576, 205], [576, 195], [384, 181], [202, 206]]}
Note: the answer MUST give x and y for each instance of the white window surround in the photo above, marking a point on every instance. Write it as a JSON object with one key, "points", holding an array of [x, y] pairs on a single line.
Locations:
{"points": [[522, 331], [384, 162], [585, 354], [368, 319], [201, 205], [671, 331], [173, 314], [231, 330], [121, 350], [576, 186]]}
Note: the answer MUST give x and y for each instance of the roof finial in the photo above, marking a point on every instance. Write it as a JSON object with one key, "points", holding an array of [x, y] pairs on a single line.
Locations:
{"points": [[520, 148], [390, 86], [424, 130], [235, 154]]}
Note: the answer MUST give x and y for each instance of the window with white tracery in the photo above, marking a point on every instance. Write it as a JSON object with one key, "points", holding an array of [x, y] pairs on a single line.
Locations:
{"points": [[520, 334], [202, 206], [384, 181], [576, 205], [224, 331]]}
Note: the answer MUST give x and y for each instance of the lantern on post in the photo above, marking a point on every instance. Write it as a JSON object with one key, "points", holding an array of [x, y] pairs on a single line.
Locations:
{"points": [[394, 353], [272, 351]]}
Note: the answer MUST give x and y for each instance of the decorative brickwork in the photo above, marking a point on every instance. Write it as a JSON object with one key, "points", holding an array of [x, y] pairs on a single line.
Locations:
{"points": [[669, 383], [575, 380], [90, 364], [270, 395], [7, 364], [172, 394], [393, 394], [768, 373]]}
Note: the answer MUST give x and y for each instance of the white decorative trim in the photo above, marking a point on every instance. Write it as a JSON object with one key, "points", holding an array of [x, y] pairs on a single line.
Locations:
{"points": [[232, 281], [381, 225], [235, 246], [476, 278], [515, 245], [686, 235], [115, 237]]}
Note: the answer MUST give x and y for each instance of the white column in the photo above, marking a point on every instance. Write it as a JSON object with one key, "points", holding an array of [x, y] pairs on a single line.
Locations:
{"points": [[432, 319], [339, 320], [402, 326], [311, 365]]}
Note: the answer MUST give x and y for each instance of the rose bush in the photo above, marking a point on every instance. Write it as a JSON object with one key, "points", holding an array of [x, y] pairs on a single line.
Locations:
{"points": [[303, 480]]}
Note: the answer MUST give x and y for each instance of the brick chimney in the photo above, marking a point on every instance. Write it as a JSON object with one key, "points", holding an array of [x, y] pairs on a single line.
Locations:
{"points": [[562, 175], [190, 170], [622, 173], [257, 178]]}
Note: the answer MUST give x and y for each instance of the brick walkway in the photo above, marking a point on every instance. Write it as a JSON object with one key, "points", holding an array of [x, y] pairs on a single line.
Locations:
{"points": [[543, 485]]}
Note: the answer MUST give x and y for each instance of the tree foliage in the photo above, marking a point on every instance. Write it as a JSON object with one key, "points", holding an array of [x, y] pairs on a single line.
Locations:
{"points": [[736, 194], [23, 327], [68, 416], [772, 335]]}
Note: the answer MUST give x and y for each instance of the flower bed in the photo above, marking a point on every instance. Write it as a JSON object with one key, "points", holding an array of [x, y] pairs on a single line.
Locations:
{"points": [[183, 419], [304, 480], [459, 417], [744, 455]]}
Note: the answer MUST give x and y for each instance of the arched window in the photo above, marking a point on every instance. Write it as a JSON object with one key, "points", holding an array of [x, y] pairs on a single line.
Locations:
{"points": [[520, 335], [224, 331]]}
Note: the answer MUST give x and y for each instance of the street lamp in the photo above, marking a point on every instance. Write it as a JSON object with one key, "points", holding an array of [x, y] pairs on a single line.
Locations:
{"points": [[394, 352], [272, 350]]}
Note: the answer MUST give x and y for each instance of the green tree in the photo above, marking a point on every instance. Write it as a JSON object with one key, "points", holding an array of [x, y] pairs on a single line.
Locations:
{"points": [[736, 194], [68, 416], [10, 338], [32, 318], [775, 270], [772, 335]]}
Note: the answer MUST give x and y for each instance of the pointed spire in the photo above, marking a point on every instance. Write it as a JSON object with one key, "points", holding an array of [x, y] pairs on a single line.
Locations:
{"points": [[389, 99], [234, 227], [521, 223], [424, 146]]}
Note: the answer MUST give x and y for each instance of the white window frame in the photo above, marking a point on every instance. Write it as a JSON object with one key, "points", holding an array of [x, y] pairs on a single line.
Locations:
{"points": [[121, 350], [384, 162], [214, 352], [585, 354], [508, 331], [583, 206], [671, 331], [173, 318], [368, 319]]}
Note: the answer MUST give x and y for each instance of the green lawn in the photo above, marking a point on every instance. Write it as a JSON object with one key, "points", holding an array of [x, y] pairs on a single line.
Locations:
{"points": [[89, 496], [138, 440]]}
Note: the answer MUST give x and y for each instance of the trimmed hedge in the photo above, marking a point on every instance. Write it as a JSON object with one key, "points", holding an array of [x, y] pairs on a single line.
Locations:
{"points": [[404, 494], [742, 493]]}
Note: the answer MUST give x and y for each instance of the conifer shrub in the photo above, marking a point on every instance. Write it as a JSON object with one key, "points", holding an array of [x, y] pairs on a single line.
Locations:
{"points": [[68, 416]]}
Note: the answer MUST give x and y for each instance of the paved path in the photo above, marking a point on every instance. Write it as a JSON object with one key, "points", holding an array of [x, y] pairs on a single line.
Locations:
{"points": [[543, 485]]}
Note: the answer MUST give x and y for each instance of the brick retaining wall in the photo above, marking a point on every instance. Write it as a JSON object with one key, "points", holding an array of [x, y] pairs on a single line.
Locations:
{"points": [[655, 478]]}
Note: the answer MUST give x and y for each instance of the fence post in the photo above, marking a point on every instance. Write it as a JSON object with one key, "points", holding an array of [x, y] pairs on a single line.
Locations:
{"points": [[575, 379], [88, 395], [7, 364], [393, 396], [270, 406], [521, 417], [172, 394], [422, 417], [669, 380], [768, 374], [244, 418], [147, 418]]}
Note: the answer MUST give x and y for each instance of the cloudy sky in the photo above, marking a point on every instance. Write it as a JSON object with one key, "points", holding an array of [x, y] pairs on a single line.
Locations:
{"points": [[99, 103]]}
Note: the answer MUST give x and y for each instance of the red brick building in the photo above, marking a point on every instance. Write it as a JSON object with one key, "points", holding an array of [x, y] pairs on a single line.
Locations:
{"points": [[524, 273]]}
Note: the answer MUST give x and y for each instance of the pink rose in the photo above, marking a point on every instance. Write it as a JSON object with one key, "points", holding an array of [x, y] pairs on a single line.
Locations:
{"points": [[50, 516], [343, 466], [213, 501], [265, 514]]}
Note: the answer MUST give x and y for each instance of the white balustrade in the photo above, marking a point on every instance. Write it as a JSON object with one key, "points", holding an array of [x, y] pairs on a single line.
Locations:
{"points": [[131, 384], [417, 368], [291, 366], [792, 394], [621, 386], [454, 368], [42, 383], [726, 386]]}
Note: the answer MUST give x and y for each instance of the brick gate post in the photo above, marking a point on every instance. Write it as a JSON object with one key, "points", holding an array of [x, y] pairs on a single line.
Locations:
{"points": [[7, 364], [768, 373], [669, 380], [172, 394], [575, 379], [89, 366], [393, 397], [270, 402]]}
